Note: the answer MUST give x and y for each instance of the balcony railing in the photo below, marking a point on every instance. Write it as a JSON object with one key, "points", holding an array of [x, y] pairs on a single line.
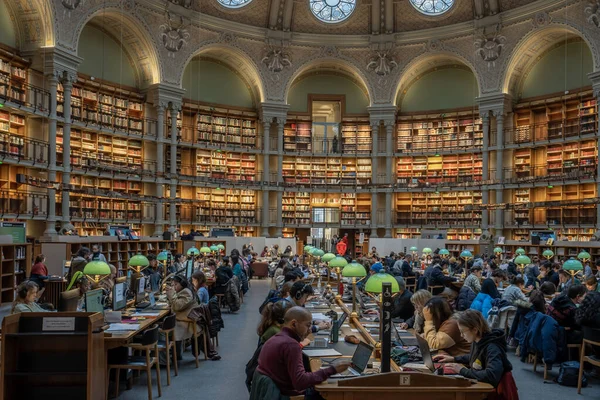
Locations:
{"points": [[23, 204], [194, 214], [544, 132], [33, 97], [18, 148]]}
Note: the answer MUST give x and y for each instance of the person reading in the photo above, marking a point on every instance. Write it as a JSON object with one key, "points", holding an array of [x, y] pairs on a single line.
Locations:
{"points": [[280, 361]]}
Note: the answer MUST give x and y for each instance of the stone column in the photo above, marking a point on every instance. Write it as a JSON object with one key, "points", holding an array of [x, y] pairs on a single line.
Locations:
{"points": [[594, 77], [389, 172], [51, 220], [160, 168], [375, 140], [388, 215], [266, 174], [485, 165], [499, 169], [67, 83], [175, 107], [373, 215], [280, 127]]}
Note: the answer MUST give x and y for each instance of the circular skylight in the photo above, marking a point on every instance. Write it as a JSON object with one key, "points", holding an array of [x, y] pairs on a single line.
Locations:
{"points": [[432, 7], [234, 3], [332, 11]]}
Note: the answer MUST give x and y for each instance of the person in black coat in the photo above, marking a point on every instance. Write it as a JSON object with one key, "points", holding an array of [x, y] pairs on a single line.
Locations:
{"points": [[487, 362], [489, 285], [222, 275], [548, 274], [403, 307], [434, 274]]}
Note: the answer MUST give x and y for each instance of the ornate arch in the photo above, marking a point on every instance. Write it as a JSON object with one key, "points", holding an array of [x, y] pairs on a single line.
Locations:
{"points": [[237, 61], [35, 23], [136, 38], [428, 62], [537, 42]]}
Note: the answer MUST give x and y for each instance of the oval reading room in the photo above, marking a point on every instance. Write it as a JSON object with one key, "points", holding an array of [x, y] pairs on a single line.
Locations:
{"points": [[299, 199]]}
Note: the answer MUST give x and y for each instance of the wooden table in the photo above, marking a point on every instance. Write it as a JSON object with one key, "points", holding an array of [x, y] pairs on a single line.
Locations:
{"points": [[52, 291]]}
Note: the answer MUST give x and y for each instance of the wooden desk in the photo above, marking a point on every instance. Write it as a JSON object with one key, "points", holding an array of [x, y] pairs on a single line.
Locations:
{"points": [[409, 385], [118, 339], [53, 289]]}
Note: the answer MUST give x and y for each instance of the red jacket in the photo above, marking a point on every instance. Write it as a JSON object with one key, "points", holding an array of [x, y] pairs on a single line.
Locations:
{"points": [[39, 269], [281, 360]]}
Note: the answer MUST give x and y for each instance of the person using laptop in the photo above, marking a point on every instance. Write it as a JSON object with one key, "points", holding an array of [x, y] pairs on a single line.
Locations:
{"points": [[181, 298], [281, 359], [441, 331], [299, 294], [487, 361], [26, 299]]}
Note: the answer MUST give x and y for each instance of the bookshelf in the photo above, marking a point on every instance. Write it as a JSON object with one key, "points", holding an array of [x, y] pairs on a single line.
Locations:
{"points": [[462, 130], [289, 232], [361, 250], [356, 138], [296, 208], [438, 208], [15, 267], [451, 233], [226, 206], [326, 171], [355, 209], [297, 137], [12, 133], [455, 247], [225, 130], [13, 77], [439, 169], [105, 105], [223, 165]]}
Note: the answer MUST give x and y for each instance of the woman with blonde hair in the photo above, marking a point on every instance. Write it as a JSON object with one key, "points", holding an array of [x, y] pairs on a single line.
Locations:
{"points": [[417, 321]]}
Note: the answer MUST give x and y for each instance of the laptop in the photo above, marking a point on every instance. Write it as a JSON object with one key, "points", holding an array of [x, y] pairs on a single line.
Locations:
{"points": [[428, 365], [359, 362], [339, 322], [156, 306]]}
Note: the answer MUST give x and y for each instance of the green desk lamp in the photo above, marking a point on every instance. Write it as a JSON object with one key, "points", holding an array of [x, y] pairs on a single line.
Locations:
{"points": [[338, 262], [584, 256], [498, 251], [573, 266], [354, 270], [466, 255], [138, 263], [444, 253], [548, 254], [522, 261], [96, 271], [520, 251]]}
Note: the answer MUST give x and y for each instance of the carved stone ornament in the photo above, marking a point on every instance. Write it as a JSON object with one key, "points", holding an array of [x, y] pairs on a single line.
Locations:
{"points": [[227, 37], [183, 3], [592, 10], [128, 5], [173, 37], [382, 63], [276, 59], [71, 5], [433, 45], [330, 51], [541, 19], [489, 47]]}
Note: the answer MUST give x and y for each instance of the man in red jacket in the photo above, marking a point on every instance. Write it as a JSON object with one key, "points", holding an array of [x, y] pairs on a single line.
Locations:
{"points": [[281, 356]]}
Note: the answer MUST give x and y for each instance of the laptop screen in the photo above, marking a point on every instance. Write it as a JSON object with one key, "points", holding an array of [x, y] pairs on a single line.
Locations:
{"points": [[342, 319], [425, 353], [361, 356], [93, 301]]}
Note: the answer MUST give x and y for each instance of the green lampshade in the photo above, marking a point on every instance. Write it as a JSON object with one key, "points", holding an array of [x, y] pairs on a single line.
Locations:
{"points": [[522, 260], [444, 252], [327, 257], [307, 248], [96, 270], [375, 283], [414, 248], [312, 251], [573, 265], [318, 253], [220, 246], [519, 251], [498, 250], [205, 250], [214, 247], [354, 270], [338, 262], [192, 251], [584, 256], [466, 254], [427, 251], [548, 253], [138, 262], [163, 256]]}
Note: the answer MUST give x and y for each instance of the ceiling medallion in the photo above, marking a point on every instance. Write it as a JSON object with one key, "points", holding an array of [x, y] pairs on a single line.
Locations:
{"points": [[173, 37], [276, 59], [489, 47], [381, 63]]}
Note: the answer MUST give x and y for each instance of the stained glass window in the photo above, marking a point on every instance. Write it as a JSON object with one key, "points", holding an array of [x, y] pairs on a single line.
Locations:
{"points": [[332, 11], [234, 3], [432, 7]]}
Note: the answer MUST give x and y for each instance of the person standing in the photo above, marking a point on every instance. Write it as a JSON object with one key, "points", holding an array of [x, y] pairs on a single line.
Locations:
{"points": [[97, 255]]}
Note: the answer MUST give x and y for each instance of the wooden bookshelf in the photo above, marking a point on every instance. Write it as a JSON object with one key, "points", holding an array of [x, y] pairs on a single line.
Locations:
{"points": [[326, 171], [356, 138], [434, 133], [438, 169], [361, 250], [562, 249], [455, 247], [105, 105], [438, 208], [15, 267], [296, 208], [451, 233], [225, 130], [289, 232], [297, 137], [12, 133], [13, 77], [223, 165], [355, 209]]}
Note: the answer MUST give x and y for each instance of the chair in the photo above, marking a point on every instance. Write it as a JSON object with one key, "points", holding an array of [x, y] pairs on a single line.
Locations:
{"points": [[591, 336], [195, 336], [572, 345], [261, 269], [168, 345], [411, 283], [435, 290], [147, 344]]}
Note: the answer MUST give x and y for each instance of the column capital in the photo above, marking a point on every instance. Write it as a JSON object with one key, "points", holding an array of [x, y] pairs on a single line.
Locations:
{"points": [[163, 95], [382, 112], [270, 110], [281, 122], [59, 62], [594, 77], [495, 103]]}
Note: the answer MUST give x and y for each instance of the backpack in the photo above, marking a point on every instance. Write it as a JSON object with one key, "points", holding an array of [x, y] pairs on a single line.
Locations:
{"points": [[568, 374], [251, 367]]}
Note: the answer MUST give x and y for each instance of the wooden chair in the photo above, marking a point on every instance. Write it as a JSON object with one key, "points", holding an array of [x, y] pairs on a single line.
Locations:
{"points": [[168, 345], [591, 336], [147, 344], [535, 358], [195, 337], [411, 283], [572, 345], [433, 289], [221, 299]]}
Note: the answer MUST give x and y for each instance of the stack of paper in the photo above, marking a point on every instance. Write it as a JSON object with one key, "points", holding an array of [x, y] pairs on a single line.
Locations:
{"points": [[123, 327]]}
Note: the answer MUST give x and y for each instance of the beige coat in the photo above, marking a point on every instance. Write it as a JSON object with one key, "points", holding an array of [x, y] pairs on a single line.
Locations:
{"points": [[181, 304]]}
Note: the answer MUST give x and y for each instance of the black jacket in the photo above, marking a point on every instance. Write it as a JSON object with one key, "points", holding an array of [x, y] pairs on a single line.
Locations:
{"points": [[489, 287], [563, 309], [552, 276], [435, 276], [403, 307], [490, 353]]}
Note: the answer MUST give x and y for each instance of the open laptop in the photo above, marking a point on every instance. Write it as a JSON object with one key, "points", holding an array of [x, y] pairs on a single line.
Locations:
{"points": [[359, 362], [156, 306], [339, 322], [428, 365]]}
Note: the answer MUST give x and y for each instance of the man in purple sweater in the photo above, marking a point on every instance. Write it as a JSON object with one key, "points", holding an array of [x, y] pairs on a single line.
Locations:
{"points": [[281, 356]]}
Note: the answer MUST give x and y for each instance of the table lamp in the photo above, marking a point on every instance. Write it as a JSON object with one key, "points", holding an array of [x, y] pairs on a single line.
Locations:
{"points": [[327, 257], [338, 262], [414, 250], [573, 266], [221, 246], [214, 248], [498, 251], [138, 263], [584, 256], [205, 250], [354, 270], [466, 255], [522, 261], [307, 248], [444, 253], [96, 270], [192, 251], [520, 251], [548, 254]]}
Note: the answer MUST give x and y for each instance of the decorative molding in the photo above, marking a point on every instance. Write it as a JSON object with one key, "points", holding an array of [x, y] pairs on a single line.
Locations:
{"points": [[541, 19], [592, 11], [173, 37], [489, 47], [276, 59], [382, 63]]}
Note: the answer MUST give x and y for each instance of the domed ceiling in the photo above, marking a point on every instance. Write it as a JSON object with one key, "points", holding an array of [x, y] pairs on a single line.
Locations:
{"points": [[350, 17]]}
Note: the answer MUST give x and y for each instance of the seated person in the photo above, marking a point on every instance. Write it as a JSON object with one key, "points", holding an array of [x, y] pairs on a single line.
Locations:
{"points": [[592, 285], [275, 295], [473, 280], [489, 285], [538, 301], [563, 307], [403, 307], [434, 274], [272, 319], [299, 294], [417, 321], [487, 361], [566, 281], [588, 313], [153, 274], [26, 299], [181, 299], [199, 283], [515, 291], [548, 289], [547, 274], [39, 272], [441, 331], [280, 360], [222, 275]]}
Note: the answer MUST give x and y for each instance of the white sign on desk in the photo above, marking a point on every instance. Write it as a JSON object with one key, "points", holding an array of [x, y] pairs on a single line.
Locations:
{"points": [[58, 324], [404, 380]]}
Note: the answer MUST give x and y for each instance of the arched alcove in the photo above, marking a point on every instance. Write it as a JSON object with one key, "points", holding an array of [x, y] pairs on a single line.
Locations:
{"points": [[8, 34]]}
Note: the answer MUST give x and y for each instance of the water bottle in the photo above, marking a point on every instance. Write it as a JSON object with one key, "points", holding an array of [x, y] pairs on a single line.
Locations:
{"points": [[335, 330]]}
